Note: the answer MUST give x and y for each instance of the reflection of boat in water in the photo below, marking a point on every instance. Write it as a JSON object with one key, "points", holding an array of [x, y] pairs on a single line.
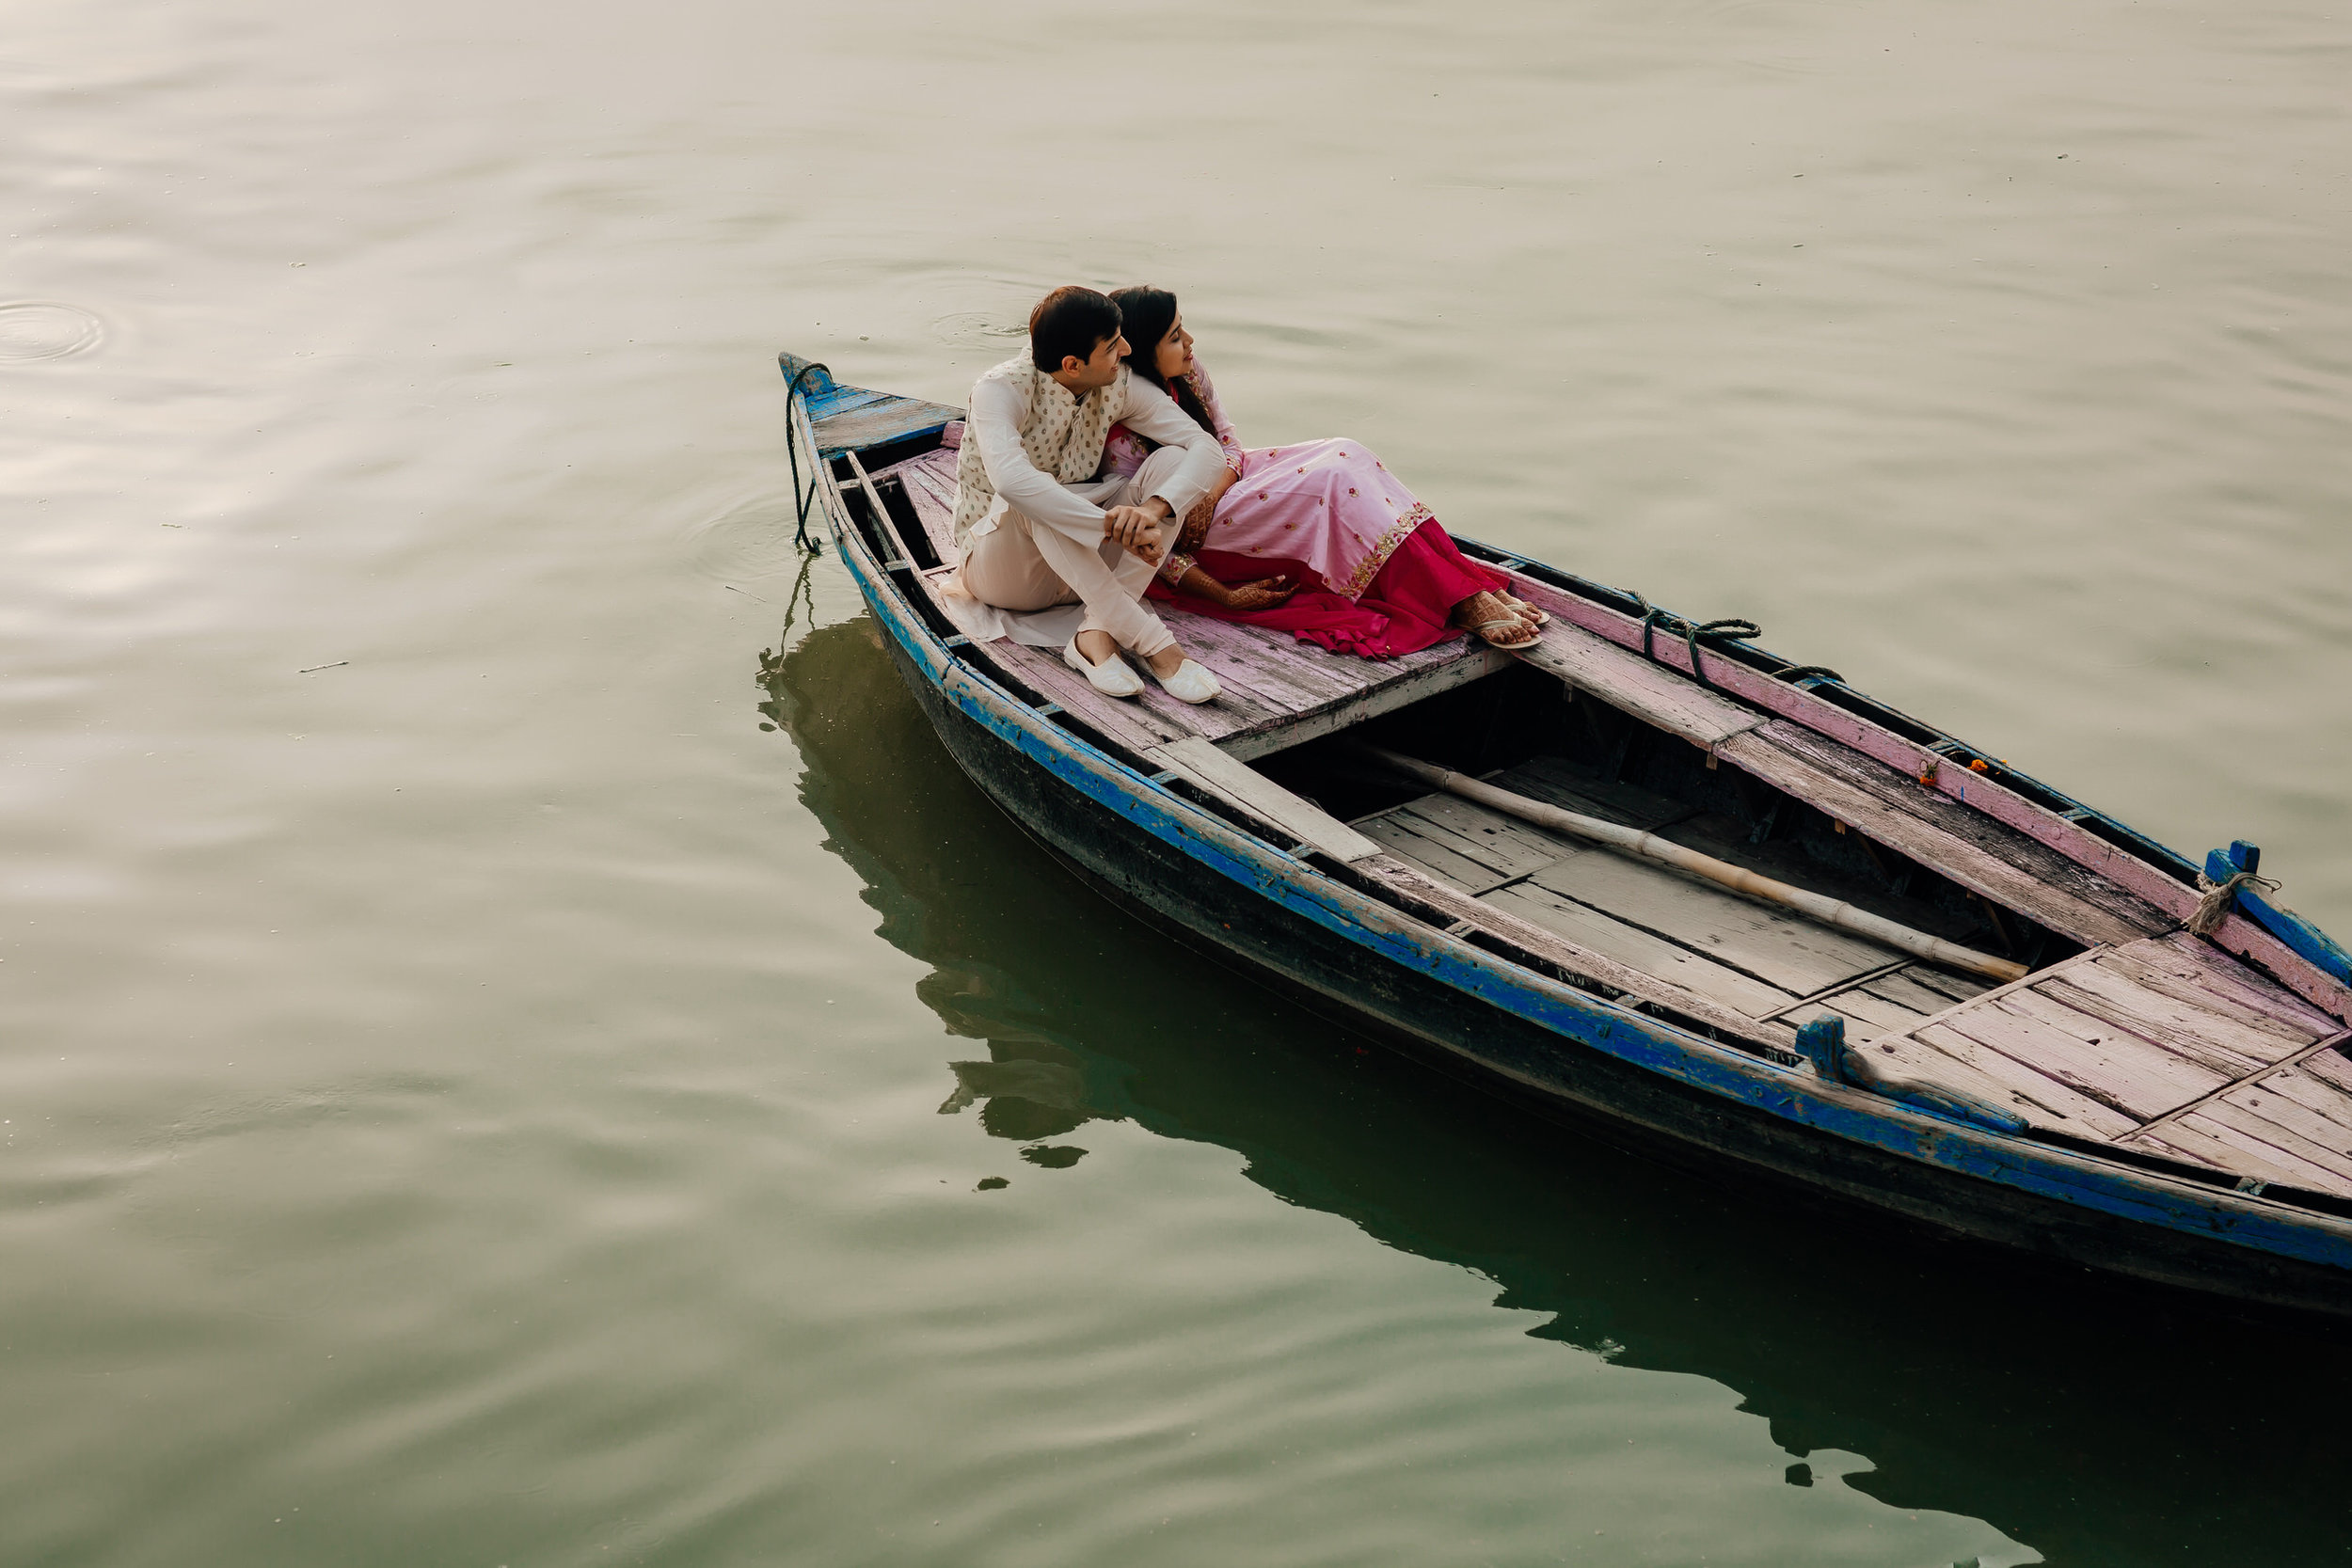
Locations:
{"points": [[2084, 1418]]}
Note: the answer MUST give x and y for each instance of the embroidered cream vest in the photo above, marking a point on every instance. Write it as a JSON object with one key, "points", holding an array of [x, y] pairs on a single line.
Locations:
{"points": [[1063, 436]]}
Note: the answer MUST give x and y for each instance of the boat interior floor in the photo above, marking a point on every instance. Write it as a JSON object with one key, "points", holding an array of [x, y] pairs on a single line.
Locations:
{"points": [[2164, 1045], [2142, 1037]]}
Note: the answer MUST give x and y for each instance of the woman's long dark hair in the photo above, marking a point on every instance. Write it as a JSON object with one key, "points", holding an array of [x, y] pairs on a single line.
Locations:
{"points": [[1145, 314]]}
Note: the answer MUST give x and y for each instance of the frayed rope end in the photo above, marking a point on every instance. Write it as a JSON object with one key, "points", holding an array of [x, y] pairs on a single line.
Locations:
{"points": [[2215, 906]]}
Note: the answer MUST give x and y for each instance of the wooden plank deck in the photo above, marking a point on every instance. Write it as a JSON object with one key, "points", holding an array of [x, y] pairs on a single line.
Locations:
{"points": [[1278, 691], [1753, 960], [2166, 1044]]}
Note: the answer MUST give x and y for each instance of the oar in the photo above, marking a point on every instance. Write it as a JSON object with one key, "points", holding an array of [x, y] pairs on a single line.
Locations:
{"points": [[1649, 847]]}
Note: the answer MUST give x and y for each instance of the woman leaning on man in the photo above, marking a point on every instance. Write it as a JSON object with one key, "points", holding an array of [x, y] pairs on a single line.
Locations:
{"points": [[1316, 538]]}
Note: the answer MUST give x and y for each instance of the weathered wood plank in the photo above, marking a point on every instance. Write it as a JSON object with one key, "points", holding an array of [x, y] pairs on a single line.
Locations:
{"points": [[1264, 662], [932, 493], [1243, 785], [2227, 1046], [2320, 1138], [1236, 708], [2088, 1017], [2247, 1146], [2180, 966], [1915, 988], [2093, 1057], [2204, 1147], [1626, 680], [1451, 904], [1860, 1030], [1504, 844], [1860, 1004], [2333, 1066], [1937, 1055], [1407, 681], [1344, 675], [1137, 728], [1638, 950], [2324, 1104], [1976, 852], [2250, 1118], [1790, 951], [1438, 859], [877, 421], [1960, 988]]}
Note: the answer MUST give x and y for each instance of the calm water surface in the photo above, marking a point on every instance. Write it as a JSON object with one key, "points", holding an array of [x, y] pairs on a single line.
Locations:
{"points": [[580, 1079]]}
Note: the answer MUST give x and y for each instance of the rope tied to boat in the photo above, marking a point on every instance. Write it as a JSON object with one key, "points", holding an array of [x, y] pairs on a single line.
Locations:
{"points": [[2215, 906], [801, 501], [1652, 618], [1732, 627]]}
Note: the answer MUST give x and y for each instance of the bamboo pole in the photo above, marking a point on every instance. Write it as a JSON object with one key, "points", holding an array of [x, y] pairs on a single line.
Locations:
{"points": [[1649, 847]]}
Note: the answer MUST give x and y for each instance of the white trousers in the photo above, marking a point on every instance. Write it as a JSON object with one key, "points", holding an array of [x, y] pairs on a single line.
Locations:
{"points": [[1025, 565]]}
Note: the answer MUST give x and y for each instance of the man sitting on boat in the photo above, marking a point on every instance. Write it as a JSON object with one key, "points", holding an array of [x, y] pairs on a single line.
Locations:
{"points": [[1038, 529]]}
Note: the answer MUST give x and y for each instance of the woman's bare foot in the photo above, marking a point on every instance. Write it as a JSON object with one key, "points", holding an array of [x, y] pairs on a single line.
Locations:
{"points": [[1487, 617], [1520, 608], [1098, 647]]}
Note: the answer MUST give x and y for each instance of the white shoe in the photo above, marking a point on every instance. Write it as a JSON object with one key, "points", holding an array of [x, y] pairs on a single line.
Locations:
{"points": [[1111, 677], [1191, 683]]}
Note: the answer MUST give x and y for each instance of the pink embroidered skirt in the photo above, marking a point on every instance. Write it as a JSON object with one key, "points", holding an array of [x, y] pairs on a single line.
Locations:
{"points": [[1296, 514], [1332, 505]]}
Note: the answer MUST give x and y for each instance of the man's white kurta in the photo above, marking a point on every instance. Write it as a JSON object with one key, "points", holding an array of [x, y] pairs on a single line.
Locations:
{"points": [[1002, 408]]}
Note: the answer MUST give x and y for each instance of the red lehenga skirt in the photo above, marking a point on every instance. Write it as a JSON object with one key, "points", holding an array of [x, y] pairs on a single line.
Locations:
{"points": [[1402, 610]]}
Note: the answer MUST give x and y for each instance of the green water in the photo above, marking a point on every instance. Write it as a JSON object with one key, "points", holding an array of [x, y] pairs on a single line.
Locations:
{"points": [[456, 1112]]}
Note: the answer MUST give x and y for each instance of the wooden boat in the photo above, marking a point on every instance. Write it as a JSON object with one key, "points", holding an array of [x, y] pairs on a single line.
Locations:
{"points": [[1919, 979]]}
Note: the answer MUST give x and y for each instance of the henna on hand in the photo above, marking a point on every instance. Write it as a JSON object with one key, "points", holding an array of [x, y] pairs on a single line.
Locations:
{"points": [[1263, 595]]}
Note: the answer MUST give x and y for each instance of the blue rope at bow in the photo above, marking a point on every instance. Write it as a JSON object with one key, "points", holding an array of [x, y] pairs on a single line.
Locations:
{"points": [[801, 502]]}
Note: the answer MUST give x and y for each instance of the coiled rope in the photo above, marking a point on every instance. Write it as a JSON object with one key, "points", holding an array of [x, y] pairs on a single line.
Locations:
{"points": [[801, 502]]}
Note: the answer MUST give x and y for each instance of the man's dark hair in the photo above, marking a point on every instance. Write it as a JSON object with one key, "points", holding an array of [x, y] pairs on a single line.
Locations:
{"points": [[1070, 321]]}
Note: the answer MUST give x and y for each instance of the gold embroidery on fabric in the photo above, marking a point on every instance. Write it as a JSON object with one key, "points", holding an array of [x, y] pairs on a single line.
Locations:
{"points": [[1369, 566]]}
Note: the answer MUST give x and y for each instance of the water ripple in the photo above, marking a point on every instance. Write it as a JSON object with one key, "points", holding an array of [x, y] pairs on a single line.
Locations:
{"points": [[38, 329]]}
